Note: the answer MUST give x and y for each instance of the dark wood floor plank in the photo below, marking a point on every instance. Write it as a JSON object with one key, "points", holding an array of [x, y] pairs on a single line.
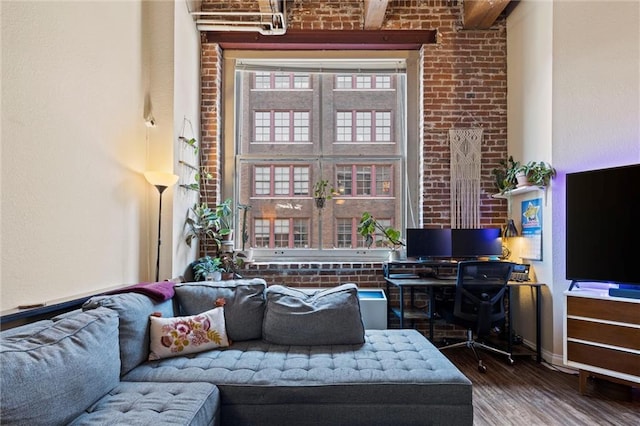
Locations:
{"points": [[532, 394]]}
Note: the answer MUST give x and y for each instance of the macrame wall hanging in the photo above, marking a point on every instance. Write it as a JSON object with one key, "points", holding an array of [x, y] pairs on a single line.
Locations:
{"points": [[465, 177]]}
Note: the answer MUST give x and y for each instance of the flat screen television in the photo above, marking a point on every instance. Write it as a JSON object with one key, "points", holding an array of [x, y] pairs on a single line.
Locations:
{"points": [[474, 243], [427, 244], [603, 225]]}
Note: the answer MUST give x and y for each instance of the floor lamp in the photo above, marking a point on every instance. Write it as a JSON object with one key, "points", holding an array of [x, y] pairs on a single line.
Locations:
{"points": [[161, 181]]}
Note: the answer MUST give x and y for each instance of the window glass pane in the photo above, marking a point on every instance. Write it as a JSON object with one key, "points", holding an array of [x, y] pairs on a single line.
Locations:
{"points": [[282, 81], [300, 233], [383, 126], [344, 180], [301, 81], [262, 181], [344, 229], [383, 180], [263, 80], [300, 126], [383, 82], [262, 126], [363, 180], [343, 82], [363, 82], [281, 233], [281, 126], [281, 180], [343, 126], [363, 126], [261, 233], [307, 135], [300, 180]]}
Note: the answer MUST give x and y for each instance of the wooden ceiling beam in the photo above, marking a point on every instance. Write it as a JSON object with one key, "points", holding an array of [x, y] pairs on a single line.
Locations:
{"points": [[374, 11], [481, 14], [324, 40]]}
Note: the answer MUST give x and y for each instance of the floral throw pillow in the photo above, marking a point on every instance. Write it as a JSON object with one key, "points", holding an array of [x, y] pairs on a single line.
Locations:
{"points": [[186, 335]]}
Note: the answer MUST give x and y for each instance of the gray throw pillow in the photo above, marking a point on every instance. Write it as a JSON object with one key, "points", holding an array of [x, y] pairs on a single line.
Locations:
{"points": [[324, 317], [243, 309]]}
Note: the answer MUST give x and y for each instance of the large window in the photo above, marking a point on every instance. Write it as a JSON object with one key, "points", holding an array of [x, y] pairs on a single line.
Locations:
{"points": [[320, 121]]}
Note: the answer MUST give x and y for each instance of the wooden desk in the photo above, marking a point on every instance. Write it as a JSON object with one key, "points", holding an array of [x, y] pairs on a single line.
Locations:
{"points": [[429, 284]]}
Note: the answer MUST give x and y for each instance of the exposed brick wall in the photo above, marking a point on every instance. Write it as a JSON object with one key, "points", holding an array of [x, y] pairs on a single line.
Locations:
{"points": [[464, 86]]}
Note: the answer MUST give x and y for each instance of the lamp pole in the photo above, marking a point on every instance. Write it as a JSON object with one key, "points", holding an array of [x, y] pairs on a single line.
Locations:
{"points": [[161, 181], [160, 189]]}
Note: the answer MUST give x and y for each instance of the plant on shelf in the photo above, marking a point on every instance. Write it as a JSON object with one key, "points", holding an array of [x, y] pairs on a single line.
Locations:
{"points": [[512, 174], [538, 173], [322, 191], [505, 175], [367, 228]]}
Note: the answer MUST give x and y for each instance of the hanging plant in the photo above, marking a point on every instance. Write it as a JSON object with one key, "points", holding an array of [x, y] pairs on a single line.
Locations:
{"points": [[322, 191]]}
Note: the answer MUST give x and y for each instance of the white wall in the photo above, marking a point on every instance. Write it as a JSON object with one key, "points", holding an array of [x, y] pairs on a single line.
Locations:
{"points": [[77, 214], [574, 100]]}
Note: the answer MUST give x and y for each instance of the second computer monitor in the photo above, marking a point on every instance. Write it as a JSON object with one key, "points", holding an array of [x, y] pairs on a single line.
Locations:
{"points": [[475, 243], [428, 244]]}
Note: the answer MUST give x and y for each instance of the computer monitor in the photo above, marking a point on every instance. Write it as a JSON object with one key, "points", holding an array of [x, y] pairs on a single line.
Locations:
{"points": [[475, 243], [427, 244]]}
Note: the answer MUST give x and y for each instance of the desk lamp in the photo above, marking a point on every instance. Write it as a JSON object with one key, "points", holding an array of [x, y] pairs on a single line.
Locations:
{"points": [[510, 230], [161, 181]]}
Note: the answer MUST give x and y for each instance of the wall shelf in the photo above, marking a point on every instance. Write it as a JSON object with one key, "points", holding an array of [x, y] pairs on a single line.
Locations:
{"points": [[519, 191]]}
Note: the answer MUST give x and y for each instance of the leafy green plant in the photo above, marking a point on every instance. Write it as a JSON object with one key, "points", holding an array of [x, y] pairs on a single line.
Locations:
{"points": [[539, 173], [202, 224], [322, 191], [205, 266], [192, 142], [367, 227], [505, 175], [224, 213]]}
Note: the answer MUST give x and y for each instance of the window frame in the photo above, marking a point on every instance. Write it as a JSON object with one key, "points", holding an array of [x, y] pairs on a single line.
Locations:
{"points": [[411, 200]]}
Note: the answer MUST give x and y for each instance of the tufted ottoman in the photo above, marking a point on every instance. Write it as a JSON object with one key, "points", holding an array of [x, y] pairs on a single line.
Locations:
{"points": [[396, 377], [155, 404]]}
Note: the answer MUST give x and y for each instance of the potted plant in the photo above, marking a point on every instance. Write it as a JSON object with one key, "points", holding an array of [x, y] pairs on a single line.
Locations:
{"points": [[224, 213], [229, 265], [389, 236], [202, 224], [505, 175], [540, 173], [207, 268], [322, 191]]}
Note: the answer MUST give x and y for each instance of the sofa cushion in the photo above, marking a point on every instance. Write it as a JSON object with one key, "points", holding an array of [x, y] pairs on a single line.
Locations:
{"points": [[51, 375], [133, 310], [326, 317], [156, 404], [243, 309], [187, 335]]}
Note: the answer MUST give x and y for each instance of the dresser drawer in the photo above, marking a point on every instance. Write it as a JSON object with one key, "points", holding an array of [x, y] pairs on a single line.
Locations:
{"points": [[609, 310], [608, 334], [608, 359]]}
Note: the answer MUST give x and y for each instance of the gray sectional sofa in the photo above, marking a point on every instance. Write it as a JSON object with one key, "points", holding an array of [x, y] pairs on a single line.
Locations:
{"points": [[284, 357]]}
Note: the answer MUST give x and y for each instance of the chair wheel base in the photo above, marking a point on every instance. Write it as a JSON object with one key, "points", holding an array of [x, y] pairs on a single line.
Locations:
{"points": [[481, 367]]}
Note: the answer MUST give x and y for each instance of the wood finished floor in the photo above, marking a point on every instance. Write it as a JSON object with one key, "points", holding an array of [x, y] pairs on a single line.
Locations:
{"points": [[532, 394]]}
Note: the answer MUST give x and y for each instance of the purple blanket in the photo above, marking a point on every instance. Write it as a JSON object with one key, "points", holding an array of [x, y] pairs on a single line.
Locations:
{"points": [[159, 292]]}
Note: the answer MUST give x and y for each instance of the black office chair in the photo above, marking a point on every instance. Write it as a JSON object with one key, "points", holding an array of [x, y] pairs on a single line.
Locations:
{"points": [[479, 303]]}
